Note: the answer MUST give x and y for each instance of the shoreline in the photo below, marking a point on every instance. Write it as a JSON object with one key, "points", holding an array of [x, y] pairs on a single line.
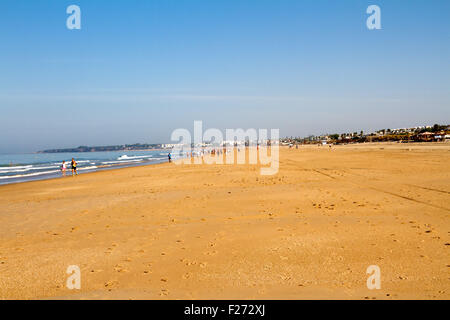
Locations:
{"points": [[368, 145], [69, 174]]}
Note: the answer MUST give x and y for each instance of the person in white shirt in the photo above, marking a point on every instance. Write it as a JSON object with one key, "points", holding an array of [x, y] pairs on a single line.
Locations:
{"points": [[63, 168]]}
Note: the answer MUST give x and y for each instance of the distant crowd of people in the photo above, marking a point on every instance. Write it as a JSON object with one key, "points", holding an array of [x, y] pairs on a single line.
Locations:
{"points": [[218, 152], [201, 153]]}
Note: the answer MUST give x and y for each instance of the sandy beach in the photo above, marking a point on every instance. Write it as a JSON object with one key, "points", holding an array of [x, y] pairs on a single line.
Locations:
{"points": [[171, 231]]}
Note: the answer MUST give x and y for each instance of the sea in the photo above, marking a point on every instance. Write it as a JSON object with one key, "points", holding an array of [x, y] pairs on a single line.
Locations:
{"points": [[15, 168]]}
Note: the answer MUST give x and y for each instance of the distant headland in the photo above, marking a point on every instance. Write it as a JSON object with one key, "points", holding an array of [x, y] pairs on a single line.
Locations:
{"points": [[125, 147]]}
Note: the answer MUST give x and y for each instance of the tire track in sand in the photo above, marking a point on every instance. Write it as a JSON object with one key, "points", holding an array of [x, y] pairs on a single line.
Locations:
{"points": [[383, 191]]}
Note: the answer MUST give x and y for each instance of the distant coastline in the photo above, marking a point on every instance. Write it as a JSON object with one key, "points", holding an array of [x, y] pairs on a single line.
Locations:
{"points": [[424, 133], [126, 147]]}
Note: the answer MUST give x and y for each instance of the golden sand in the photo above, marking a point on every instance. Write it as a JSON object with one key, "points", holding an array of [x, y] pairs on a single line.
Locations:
{"points": [[226, 232]]}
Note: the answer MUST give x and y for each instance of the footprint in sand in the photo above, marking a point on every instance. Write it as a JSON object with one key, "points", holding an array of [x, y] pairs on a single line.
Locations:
{"points": [[189, 262], [96, 271], [120, 268], [164, 292], [111, 283]]}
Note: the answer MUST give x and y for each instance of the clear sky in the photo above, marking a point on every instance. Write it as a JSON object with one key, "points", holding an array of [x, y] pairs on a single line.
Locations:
{"points": [[137, 70]]}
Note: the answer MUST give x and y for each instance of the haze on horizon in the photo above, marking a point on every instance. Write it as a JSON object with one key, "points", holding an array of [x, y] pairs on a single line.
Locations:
{"points": [[137, 70]]}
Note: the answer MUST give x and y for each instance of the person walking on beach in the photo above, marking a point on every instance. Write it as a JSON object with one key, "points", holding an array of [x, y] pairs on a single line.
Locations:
{"points": [[170, 157], [74, 167], [63, 168]]}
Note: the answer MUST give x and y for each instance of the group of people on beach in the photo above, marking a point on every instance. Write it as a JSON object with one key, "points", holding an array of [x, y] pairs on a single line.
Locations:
{"points": [[203, 152], [73, 167]]}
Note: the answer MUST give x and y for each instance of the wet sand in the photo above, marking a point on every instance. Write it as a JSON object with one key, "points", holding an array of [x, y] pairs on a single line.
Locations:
{"points": [[225, 232]]}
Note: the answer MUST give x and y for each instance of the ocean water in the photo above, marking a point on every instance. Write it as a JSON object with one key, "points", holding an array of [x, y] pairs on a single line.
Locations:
{"points": [[36, 166]]}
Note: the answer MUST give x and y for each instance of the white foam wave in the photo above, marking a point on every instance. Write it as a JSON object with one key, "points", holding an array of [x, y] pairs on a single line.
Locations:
{"points": [[125, 157], [123, 161], [87, 168], [30, 168], [12, 168], [29, 175]]}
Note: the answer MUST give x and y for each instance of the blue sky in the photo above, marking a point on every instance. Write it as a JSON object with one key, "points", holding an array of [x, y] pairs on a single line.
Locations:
{"points": [[137, 70]]}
